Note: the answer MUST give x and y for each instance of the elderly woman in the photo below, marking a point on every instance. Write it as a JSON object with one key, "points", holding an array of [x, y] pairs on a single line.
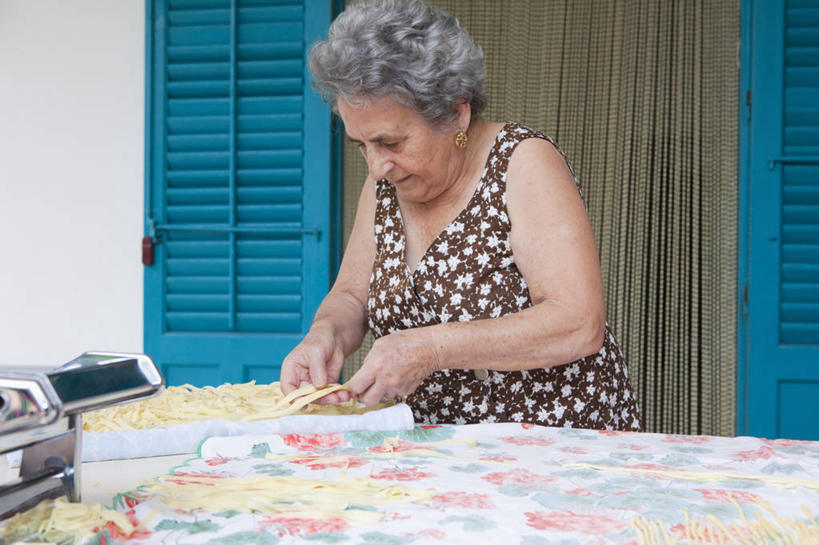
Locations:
{"points": [[471, 259]]}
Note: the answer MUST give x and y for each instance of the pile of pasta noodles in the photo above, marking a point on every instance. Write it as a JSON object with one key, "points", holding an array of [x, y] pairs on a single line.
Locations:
{"points": [[60, 521], [246, 401], [766, 527]]}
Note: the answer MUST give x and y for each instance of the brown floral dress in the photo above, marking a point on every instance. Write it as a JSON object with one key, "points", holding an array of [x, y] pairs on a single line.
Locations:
{"points": [[469, 273]]}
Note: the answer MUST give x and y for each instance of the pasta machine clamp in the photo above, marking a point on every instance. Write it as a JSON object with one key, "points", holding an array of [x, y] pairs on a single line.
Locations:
{"points": [[41, 415]]}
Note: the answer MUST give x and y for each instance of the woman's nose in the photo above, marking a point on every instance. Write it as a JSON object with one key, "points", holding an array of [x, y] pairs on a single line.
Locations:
{"points": [[379, 166]]}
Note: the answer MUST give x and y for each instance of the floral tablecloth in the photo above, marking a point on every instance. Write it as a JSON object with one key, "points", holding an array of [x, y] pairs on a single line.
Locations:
{"points": [[506, 484]]}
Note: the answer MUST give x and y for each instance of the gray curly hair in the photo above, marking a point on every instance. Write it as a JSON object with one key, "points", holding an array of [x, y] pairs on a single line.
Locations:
{"points": [[401, 49]]}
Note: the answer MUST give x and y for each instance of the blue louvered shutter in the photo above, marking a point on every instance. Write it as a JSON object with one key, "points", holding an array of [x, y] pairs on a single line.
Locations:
{"points": [[783, 353], [238, 186]]}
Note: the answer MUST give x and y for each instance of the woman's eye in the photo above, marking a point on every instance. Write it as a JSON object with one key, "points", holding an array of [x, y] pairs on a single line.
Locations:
{"points": [[390, 145]]}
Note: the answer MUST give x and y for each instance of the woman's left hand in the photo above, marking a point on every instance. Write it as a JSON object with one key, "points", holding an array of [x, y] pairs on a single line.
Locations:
{"points": [[395, 366]]}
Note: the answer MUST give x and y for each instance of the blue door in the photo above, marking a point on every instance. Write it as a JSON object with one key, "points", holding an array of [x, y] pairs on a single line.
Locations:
{"points": [[237, 186], [783, 220]]}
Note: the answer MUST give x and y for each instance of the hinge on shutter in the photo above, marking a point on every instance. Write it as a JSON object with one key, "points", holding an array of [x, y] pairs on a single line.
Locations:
{"points": [[748, 104]]}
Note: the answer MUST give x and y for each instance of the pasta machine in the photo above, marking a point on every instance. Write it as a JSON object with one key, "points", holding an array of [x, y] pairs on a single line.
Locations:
{"points": [[41, 415]]}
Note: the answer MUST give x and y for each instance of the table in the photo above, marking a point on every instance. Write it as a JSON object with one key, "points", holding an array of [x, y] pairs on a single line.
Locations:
{"points": [[500, 484], [101, 481]]}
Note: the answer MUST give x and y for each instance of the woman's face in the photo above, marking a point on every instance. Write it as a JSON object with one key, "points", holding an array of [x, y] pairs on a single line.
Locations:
{"points": [[402, 147]]}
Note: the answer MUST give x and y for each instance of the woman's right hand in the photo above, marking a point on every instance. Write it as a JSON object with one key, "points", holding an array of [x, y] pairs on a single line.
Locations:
{"points": [[316, 360]]}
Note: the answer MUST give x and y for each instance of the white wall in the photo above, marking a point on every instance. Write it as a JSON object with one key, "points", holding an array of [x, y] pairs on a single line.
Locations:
{"points": [[71, 177]]}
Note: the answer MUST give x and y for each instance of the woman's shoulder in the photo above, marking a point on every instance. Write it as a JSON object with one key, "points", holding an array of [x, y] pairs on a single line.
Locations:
{"points": [[511, 135], [535, 158], [513, 130], [503, 138]]}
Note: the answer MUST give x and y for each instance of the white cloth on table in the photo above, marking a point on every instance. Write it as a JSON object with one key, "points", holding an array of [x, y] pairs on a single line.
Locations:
{"points": [[185, 438]]}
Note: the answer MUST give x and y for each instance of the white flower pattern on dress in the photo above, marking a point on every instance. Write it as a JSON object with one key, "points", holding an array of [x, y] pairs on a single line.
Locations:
{"points": [[469, 273]]}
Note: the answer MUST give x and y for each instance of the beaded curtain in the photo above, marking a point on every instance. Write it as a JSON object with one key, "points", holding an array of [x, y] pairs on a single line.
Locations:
{"points": [[642, 97]]}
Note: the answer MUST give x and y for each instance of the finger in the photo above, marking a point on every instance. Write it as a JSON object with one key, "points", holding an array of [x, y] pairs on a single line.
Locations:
{"points": [[334, 398], [371, 397], [335, 364], [292, 376], [374, 395], [317, 367], [360, 382], [343, 396], [305, 381]]}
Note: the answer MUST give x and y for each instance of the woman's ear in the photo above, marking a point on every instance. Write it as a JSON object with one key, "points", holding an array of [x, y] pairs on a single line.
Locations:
{"points": [[464, 116]]}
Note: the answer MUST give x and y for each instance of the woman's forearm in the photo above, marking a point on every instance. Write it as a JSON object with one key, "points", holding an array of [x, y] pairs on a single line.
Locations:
{"points": [[345, 318], [540, 336]]}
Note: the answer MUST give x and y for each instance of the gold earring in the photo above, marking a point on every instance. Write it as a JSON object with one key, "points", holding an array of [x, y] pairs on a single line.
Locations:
{"points": [[461, 139]]}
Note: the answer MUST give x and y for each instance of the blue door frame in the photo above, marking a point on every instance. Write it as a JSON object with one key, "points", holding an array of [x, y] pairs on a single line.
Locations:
{"points": [[778, 311], [744, 185], [232, 354]]}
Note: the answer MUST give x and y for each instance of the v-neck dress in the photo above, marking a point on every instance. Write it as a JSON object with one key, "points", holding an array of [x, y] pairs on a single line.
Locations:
{"points": [[469, 273]]}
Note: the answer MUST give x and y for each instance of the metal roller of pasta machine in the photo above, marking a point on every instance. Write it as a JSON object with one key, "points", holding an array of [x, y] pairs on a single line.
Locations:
{"points": [[41, 414]]}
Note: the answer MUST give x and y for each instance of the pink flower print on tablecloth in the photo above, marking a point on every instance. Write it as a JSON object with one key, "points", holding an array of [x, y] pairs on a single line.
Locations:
{"points": [[574, 450], [314, 441], [580, 492], [762, 453], [500, 458], [300, 527], [687, 439], [517, 476], [433, 533], [788, 443], [116, 534], [466, 500], [567, 521], [318, 463], [216, 461], [725, 496], [192, 478], [528, 441]]}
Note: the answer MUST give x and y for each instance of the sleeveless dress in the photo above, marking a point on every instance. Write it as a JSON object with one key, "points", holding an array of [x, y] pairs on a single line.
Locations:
{"points": [[469, 273]]}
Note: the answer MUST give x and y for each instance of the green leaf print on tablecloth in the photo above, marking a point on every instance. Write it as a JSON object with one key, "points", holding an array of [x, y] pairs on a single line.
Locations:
{"points": [[245, 538], [627, 456], [776, 469], [471, 523], [273, 470], [380, 538], [678, 460], [190, 527], [422, 434], [326, 538], [469, 468], [367, 438], [419, 434], [259, 450]]}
